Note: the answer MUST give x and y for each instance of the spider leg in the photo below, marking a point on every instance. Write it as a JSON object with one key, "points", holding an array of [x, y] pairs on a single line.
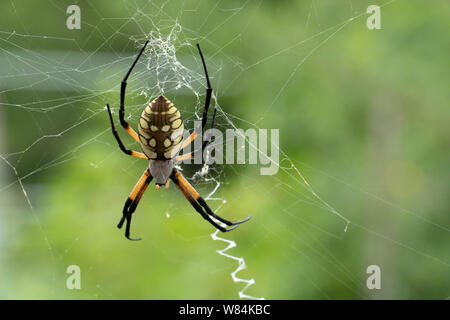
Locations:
{"points": [[132, 202], [123, 87], [188, 140], [192, 138], [199, 203], [203, 203], [208, 89], [196, 206], [207, 102], [184, 156], [121, 145]]}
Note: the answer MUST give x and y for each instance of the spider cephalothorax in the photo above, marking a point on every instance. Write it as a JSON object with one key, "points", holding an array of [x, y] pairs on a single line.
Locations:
{"points": [[160, 136]]}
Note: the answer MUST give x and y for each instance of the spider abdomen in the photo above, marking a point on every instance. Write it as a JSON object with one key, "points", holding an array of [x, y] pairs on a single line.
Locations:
{"points": [[161, 129]]}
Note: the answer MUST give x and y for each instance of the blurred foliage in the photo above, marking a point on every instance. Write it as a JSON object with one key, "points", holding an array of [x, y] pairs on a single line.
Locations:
{"points": [[363, 115]]}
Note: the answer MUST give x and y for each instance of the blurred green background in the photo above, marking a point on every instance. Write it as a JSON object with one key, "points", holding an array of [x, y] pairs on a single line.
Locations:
{"points": [[363, 117]]}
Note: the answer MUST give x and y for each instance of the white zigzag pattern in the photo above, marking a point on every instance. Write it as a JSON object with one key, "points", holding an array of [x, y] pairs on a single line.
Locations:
{"points": [[231, 243], [241, 266]]}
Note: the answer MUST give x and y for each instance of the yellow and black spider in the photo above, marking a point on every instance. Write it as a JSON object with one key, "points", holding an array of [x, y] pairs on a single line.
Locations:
{"points": [[160, 134]]}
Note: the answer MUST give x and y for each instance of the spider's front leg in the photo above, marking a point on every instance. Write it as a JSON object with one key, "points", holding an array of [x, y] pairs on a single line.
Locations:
{"points": [[119, 141], [133, 200], [199, 203], [194, 134], [123, 122]]}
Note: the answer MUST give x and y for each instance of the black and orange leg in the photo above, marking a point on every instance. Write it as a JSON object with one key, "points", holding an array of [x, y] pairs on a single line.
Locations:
{"points": [[123, 122], [133, 200], [206, 107], [197, 206], [200, 204], [208, 90], [188, 140], [121, 145], [184, 156], [191, 138], [123, 87]]}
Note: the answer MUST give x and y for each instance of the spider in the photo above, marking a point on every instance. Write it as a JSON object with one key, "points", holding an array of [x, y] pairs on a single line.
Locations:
{"points": [[160, 136]]}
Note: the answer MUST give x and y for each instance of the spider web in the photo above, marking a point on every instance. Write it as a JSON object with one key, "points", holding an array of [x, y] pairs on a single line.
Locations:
{"points": [[54, 87]]}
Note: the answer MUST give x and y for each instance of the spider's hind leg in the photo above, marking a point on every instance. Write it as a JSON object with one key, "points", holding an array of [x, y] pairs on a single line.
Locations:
{"points": [[132, 202], [128, 210], [199, 203], [208, 210]]}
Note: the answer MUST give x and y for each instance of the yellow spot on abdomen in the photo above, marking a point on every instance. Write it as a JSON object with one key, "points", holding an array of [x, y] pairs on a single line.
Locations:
{"points": [[151, 154], [143, 123], [143, 140], [177, 140], [176, 123], [176, 115], [168, 154]]}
